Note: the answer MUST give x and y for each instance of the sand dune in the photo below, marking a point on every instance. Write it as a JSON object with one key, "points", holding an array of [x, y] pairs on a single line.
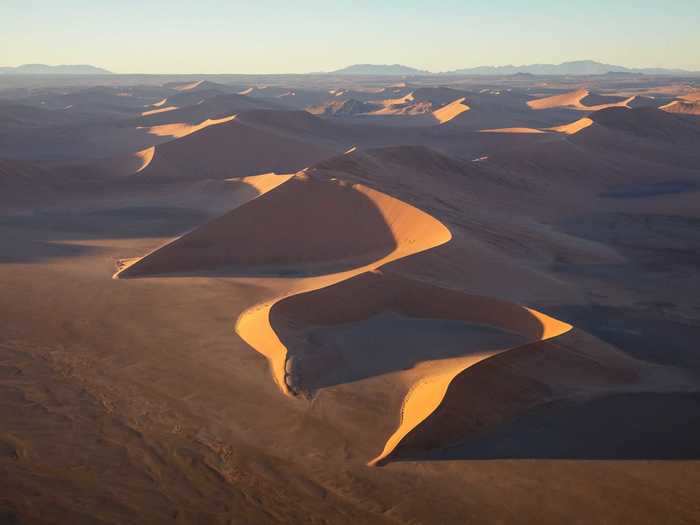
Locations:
{"points": [[158, 110], [682, 107], [577, 100], [649, 123], [182, 129], [210, 86], [145, 156], [574, 127], [369, 294], [512, 130], [298, 225], [300, 221], [231, 147], [451, 110], [193, 108]]}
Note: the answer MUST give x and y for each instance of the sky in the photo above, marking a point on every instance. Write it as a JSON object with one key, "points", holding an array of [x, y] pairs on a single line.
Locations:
{"points": [[273, 36]]}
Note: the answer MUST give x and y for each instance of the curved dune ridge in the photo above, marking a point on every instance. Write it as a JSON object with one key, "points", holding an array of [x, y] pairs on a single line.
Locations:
{"points": [[145, 157], [182, 129], [567, 129], [317, 247], [292, 235], [425, 396], [451, 110], [574, 99], [372, 293]]}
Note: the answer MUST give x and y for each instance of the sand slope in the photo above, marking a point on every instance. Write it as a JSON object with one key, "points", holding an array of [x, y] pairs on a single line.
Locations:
{"points": [[577, 100], [682, 107], [451, 110]]}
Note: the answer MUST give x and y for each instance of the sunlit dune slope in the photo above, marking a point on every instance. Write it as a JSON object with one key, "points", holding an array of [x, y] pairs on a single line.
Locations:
{"points": [[577, 100], [304, 226], [574, 127], [508, 384], [182, 129], [451, 110]]}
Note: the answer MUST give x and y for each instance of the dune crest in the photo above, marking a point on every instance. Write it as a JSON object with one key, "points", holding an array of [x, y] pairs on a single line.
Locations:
{"points": [[182, 129]]}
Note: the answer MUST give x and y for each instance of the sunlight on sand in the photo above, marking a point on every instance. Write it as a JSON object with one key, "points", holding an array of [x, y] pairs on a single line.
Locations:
{"points": [[182, 129]]}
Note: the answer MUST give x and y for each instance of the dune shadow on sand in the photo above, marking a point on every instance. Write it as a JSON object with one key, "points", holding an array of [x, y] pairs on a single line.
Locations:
{"points": [[384, 343], [623, 426]]}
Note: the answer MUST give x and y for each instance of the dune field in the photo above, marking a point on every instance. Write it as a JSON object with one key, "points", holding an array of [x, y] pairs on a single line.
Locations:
{"points": [[350, 299]]}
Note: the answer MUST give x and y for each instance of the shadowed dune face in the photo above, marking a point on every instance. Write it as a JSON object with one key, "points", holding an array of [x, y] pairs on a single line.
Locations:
{"points": [[293, 229]]}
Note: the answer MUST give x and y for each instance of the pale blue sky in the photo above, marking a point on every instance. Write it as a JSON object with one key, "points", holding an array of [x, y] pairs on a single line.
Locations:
{"points": [[274, 36]]}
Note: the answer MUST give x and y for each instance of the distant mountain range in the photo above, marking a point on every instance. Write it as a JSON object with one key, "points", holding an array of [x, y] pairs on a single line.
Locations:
{"points": [[579, 67], [43, 69]]}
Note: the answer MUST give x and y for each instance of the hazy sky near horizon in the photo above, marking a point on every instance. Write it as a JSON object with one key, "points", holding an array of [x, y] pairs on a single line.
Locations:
{"points": [[275, 36]]}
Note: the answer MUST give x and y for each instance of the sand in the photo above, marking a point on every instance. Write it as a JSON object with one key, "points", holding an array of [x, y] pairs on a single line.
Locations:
{"points": [[682, 107], [574, 127], [575, 99], [181, 129], [451, 110], [479, 314]]}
